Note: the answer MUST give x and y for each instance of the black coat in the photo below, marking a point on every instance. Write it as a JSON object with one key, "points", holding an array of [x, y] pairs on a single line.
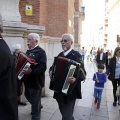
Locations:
{"points": [[106, 58], [111, 69], [36, 79], [76, 93], [8, 84], [103, 58]]}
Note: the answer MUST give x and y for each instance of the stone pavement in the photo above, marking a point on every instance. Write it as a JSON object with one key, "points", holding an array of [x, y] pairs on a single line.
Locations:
{"points": [[84, 109]]}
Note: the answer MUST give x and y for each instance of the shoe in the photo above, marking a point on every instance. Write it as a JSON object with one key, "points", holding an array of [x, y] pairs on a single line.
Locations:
{"points": [[118, 103], [95, 101], [98, 106], [114, 104], [22, 103]]}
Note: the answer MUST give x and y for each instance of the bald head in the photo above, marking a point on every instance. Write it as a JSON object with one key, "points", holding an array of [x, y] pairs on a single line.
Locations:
{"points": [[1, 25]]}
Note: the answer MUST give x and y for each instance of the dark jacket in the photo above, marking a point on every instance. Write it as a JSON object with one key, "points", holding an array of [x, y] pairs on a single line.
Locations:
{"points": [[111, 69], [76, 93], [103, 58], [8, 84], [36, 79]]}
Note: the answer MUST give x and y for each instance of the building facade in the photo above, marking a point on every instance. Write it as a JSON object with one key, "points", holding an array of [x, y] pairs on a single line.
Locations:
{"points": [[114, 24], [58, 17]]}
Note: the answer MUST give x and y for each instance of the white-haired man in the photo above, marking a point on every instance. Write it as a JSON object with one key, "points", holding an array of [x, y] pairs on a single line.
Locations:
{"points": [[8, 82], [35, 75], [66, 103]]}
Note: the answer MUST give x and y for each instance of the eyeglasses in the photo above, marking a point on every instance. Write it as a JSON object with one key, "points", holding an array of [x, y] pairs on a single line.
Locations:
{"points": [[65, 41]]}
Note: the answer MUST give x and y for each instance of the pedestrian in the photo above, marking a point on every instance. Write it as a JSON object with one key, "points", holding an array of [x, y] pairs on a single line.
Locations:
{"points": [[16, 49], [91, 54], [99, 50], [8, 83], [108, 57], [83, 52], [113, 73], [66, 103], [99, 78], [34, 77], [101, 57]]}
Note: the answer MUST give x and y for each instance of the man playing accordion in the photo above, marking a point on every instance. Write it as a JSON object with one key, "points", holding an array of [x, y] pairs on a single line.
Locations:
{"points": [[66, 103], [34, 77]]}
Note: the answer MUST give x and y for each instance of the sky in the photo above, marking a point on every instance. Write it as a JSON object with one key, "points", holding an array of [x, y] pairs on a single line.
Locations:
{"points": [[94, 17]]}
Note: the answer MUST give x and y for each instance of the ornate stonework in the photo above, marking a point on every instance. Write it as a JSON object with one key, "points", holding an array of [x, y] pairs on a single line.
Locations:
{"points": [[9, 10]]}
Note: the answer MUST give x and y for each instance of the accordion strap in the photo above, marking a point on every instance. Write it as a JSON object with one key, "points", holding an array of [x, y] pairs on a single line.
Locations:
{"points": [[83, 74]]}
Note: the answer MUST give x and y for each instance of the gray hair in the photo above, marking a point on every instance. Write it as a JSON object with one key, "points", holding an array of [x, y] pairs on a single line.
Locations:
{"points": [[1, 25], [69, 35], [35, 36], [16, 47]]}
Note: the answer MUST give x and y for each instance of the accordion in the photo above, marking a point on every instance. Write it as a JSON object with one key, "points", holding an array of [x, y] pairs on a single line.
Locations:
{"points": [[23, 61], [62, 69]]}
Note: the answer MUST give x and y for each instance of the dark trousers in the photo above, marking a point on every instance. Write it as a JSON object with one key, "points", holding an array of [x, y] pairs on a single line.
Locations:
{"points": [[115, 83], [66, 108], [34, 97], [100, 62]]}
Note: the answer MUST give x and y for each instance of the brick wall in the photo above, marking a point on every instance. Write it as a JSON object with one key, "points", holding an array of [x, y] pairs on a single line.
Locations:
{"points": [[76, 5], [56, 15], [71, 16], [76, 21], [34, 19]]}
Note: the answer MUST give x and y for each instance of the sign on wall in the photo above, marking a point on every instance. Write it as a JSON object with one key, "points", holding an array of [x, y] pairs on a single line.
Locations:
{"points": [[28, 10]]}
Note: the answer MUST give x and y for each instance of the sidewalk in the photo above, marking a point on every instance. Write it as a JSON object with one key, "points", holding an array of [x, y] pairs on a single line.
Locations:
{"points": [[84, 109]]}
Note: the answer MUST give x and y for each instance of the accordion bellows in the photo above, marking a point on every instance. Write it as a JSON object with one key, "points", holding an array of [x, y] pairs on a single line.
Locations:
{"points": [[23, 61], [62, 69]]}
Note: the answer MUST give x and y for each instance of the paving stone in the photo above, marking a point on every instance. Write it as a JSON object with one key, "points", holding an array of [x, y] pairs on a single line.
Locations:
{"points": [[95, 117], [45, 115], [50, 106], [112, 108], [85, 103], [56, 115], [99, 112], [82, 113], [114, 115]]}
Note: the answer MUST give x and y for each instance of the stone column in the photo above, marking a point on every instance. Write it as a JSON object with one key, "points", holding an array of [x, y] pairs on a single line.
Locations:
{"points": [[13, 28], [9, 10]]}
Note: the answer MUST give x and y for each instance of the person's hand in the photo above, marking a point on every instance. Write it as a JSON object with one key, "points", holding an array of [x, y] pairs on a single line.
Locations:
{"points": [[96, 79], [27, 71], [50, 74], [71, 80]]}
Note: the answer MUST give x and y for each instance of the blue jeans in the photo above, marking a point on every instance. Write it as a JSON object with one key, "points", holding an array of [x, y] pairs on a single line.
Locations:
{"points": [[98, 94]]}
